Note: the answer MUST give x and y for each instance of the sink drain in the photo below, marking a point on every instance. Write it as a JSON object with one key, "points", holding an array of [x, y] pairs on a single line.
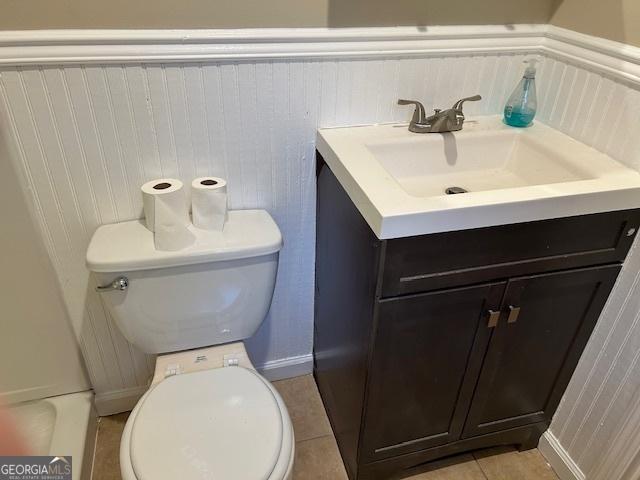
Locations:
{"points": [[455, 190]]}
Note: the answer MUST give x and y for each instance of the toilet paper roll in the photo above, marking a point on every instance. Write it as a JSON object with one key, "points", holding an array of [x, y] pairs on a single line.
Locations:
{"points": [[209, 203], [166, 213]]}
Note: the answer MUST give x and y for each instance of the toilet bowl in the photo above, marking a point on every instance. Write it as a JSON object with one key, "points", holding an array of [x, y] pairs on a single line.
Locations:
{"points": [[207, 414], [226, 423]]}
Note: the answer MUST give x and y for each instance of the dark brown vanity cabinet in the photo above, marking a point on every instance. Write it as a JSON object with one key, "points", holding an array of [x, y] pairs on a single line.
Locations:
{"points": [[424, 353], [430, 346], [533, 351]]}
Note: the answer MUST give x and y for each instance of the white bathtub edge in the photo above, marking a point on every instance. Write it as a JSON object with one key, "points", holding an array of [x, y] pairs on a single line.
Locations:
{"points": [[75, 431]]}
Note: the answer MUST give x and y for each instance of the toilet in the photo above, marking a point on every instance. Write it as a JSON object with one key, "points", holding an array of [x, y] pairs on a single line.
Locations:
{"points": [[207, 413]]}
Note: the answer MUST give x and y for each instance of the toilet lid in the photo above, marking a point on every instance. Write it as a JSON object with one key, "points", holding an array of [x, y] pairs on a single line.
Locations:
{"points": [[222, 424]]}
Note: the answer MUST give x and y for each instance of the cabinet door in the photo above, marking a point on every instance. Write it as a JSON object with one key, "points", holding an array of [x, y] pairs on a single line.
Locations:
{"points": [[427, 353], [535, 349]]}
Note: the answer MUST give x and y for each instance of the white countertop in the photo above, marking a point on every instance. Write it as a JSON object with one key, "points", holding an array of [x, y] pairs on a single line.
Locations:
{"points": [[392, 212]]}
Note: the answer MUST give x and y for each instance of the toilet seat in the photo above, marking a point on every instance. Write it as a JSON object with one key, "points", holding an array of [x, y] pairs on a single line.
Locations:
{"points": [[225, 423]]}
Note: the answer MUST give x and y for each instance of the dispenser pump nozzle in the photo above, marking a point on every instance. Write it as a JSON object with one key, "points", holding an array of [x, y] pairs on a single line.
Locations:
{"points": [[530, 71]]}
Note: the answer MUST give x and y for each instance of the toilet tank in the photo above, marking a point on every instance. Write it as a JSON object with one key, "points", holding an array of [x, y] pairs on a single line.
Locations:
{"points": [[216, 291]]}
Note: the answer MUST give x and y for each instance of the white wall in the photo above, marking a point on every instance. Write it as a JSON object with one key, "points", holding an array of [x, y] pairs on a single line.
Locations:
{"points": [[39, 355]]}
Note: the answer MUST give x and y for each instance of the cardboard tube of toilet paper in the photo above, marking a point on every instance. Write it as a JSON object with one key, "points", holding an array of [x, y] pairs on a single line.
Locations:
{"points": [[166, 214], [209, 203]]}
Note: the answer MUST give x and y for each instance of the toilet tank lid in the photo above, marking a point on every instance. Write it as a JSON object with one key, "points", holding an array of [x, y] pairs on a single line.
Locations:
{"points": [[128, 246]]}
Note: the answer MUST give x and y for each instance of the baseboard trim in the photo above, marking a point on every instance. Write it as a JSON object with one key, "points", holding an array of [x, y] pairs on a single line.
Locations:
{"points": [[559, 458], [118, 401], [287, 367]]}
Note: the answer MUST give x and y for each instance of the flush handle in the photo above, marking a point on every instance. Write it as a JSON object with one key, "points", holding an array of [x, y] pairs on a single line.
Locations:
{"points": [[494, 316], [120, 283], [514, 313]]}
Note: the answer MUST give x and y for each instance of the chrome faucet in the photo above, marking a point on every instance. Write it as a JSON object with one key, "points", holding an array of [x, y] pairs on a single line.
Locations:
{"points": [[450, 120]]}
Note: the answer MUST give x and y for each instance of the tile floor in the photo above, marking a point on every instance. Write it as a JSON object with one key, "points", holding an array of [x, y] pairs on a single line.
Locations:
{"points": [[317, 456]]}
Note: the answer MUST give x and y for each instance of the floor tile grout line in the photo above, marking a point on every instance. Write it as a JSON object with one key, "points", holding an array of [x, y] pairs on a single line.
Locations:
{"points": [[475, 459], [484, 474], [317, 438]]}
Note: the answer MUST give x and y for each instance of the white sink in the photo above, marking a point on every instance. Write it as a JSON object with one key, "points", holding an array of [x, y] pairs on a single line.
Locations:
{"points": [[425, 166], [398, 179]]}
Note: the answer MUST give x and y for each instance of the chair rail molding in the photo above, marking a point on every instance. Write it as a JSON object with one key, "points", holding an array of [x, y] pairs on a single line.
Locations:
{"points": [[614, 59], [47, 47], [121, 46]]}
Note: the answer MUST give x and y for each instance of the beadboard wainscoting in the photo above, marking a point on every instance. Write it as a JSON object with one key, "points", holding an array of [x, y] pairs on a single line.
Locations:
{"points": [[87, 136], [90, 116], [591, 428]]}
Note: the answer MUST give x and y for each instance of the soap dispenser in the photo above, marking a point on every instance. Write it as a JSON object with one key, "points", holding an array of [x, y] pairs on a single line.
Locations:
{"points": [[521, 106]]}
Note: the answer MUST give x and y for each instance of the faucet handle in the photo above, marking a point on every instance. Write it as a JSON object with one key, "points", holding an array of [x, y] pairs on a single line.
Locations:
{"points": [[459, 103], [419, 115]]}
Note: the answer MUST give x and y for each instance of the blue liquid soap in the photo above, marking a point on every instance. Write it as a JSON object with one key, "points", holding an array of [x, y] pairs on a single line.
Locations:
{"points": [[522, 104], [518, 118]]}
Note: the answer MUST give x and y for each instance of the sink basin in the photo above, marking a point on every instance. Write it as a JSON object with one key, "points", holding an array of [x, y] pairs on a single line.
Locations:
{"points": [[427, 165], [399, 180]]}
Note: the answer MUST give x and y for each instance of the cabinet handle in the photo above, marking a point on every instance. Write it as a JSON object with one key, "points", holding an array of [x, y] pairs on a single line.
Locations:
{"points": [[494, 316], [514, 313]]}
